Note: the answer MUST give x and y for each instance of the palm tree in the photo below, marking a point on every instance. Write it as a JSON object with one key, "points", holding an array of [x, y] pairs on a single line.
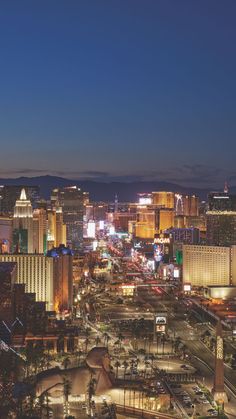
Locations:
{"points": [[149, 344], [147, 364], [157, 338], [177, 343], [66, 362], [125, 365], [120, 338], [117, 343], [105, 336], [152, 358], [117, 365], [108, 338], [97, 340], [91, 389], [46, 400], [79, 354], [142, 352], [86, 342], [34, 357], [124, 398], [41, 401], [163, 341], [66, 391], [134, 407], [131, 367], [87, 331], [183, 350]]}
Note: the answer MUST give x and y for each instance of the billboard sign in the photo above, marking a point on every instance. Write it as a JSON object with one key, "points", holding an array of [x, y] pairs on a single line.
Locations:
{"points": [[187, 287], [160, 320], [160, 323]]}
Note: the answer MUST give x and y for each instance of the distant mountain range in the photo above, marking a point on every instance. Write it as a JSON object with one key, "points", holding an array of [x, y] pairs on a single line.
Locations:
{"points": [[105, 191]]}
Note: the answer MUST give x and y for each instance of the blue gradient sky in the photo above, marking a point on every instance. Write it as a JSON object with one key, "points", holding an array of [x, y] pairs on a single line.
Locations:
{"points": [[141, 89]]}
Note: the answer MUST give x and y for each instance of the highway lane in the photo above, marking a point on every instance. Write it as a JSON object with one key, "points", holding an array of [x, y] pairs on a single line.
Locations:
{"points": [[199, 349], [191, 338], [203, 360]]}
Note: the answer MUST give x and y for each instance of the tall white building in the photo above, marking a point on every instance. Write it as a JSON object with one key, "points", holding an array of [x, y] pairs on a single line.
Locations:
{"points": [[36, 271], [49, 277]]}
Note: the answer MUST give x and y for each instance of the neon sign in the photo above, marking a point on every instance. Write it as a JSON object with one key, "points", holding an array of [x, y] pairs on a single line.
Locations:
{"points": [[219, 347]]}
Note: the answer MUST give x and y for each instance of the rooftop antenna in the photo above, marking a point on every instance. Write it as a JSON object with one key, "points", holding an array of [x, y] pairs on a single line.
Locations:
{"points": [[116, 203], [226, 187]]}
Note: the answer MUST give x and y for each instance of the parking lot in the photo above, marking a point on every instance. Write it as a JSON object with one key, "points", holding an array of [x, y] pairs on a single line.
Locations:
{"points": [[193, 399]]}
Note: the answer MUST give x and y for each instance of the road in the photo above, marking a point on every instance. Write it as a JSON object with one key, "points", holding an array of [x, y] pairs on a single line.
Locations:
{"points": [[203, 358]]}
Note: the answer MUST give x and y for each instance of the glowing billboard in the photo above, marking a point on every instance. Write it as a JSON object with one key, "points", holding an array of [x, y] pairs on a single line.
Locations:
{"points": [[91, 230], [145, 201], [187, 287]]}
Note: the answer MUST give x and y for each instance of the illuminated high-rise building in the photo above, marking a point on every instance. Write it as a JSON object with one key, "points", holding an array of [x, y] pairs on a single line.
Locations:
{"points": [[221, 228], [40, 230], [49, 277], [186, 205], [163, 199], [62, 258], [36, 272], [209, 265], [60, 228], [221, 219], [190, 205], [122, 219], [144, 198], [152, 220], [221, 201], [165, 219], [197, 222], [51, 233], [73, 202], [56, 233], [23, 225], [145, 226], [96, 211]]}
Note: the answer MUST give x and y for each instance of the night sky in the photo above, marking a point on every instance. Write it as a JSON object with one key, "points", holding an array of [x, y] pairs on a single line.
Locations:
{"points": [[119, 89]]}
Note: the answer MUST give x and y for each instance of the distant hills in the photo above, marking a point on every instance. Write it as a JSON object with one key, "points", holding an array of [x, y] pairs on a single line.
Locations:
{"points": [[105, 191]]}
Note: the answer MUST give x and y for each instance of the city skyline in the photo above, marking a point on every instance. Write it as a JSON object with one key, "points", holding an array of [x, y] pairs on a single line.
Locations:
{"points": [[119, 91], [117, 209]]}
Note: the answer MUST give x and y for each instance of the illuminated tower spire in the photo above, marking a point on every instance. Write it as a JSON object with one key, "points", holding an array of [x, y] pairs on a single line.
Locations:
{"points": [[218, 391], [23, 195], [226, 187], [23, 207], [116, 203]]}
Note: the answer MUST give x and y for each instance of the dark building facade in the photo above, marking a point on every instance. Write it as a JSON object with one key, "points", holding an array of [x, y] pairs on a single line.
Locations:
{"points": [[221, 201], [221, 219], [7, 280], [72, 200], [185, 235], [221, 228]]}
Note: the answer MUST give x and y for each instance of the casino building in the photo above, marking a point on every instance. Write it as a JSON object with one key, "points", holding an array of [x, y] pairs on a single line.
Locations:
{"points": [[209, 265], [50, 277]]}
